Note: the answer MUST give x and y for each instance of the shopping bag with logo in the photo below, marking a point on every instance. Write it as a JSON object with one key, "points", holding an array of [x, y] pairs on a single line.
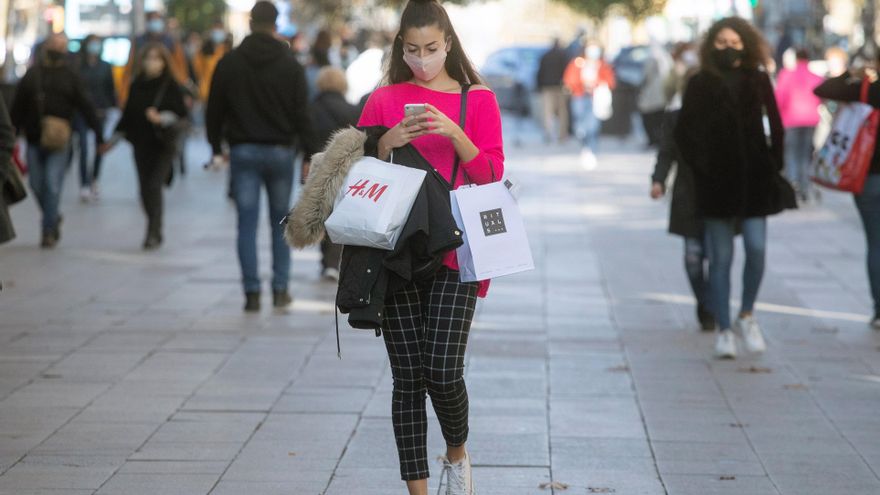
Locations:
{"points": [[844, 160], [374, 204], [495, 242]]}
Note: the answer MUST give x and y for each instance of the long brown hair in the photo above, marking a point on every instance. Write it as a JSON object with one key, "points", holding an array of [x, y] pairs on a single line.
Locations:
{"points": [[423, 13], [163, 52], [755, 49]]}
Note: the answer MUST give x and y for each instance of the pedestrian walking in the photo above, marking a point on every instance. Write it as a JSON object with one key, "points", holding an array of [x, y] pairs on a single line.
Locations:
{"points": [[97, 75], [208, 56], [721, 136], [152, 122], [847, 88], [590, 80], [330, 113], [258, 103], [683, 218], [426, 323], [799, 109], [47, 97], [652, 99], [553, 94], [157, 32], [12, 188]]}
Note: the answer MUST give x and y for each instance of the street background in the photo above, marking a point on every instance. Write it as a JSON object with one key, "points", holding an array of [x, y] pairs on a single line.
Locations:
{"points": [[124, 372]]}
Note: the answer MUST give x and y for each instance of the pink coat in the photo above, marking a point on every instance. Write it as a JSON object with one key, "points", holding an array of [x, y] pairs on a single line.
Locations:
{"points": [[798, 105]]}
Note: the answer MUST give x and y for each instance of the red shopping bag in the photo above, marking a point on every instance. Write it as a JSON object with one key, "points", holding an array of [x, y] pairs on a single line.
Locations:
{"points": [[16, 159], [844, 160]]}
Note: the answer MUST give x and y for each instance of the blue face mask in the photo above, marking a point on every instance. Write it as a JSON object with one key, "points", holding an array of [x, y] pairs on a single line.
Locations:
{"points": [[218, 36], [156, 26], [94, 48]]}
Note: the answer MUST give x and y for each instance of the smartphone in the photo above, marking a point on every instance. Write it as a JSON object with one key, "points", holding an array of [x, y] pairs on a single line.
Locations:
{"points": [[412, 109]]}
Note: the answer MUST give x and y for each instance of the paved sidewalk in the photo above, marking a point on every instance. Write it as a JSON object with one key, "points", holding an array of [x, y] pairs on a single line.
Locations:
{"points": [[123, 372]]}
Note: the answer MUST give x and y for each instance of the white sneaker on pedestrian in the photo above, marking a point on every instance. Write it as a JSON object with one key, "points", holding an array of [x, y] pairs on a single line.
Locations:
{"points": [[85, 194], [725, 345], [588, 159], [751, 334], [96, 191], [459, 480], [330, 274]]}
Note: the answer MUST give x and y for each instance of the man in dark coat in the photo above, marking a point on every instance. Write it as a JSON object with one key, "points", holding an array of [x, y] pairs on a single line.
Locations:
{"points": [[553, 97], [7, 172], [258, 103]]}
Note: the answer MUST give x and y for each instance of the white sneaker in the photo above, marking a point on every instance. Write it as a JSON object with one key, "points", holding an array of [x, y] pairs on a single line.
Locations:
{"points": [[96, 191], [459, 480], [588, 159], [725, 345], [751, 333], [85, 194], [330, 274]]}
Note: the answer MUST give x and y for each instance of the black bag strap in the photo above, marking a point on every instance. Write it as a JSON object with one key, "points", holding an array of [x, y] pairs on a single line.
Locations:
{"points": [[461, 121], [160, 95]]}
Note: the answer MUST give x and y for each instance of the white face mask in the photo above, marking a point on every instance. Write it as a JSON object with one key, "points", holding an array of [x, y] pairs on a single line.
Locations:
{"points": [[594, 52], [690, 59], [426, 68]]}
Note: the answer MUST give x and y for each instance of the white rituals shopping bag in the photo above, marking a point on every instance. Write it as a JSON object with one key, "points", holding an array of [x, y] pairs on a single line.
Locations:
{"points": [[374, 204], [495, 241]]}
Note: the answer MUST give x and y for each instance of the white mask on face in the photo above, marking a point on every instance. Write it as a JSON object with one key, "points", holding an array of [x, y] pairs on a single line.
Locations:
{"points": [[594, 52], [690, 59], [426, 68]]}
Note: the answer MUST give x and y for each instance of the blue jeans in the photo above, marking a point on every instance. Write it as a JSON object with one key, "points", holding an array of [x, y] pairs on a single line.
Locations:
{"points": [[720, 233], [586, 124], [255, 165], [695, 265], [46, 176], [798, 156], [868, 204], [82, 131]]}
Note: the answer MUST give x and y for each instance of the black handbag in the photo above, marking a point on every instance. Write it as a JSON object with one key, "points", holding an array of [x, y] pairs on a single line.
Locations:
{"points": [[14, 190]]}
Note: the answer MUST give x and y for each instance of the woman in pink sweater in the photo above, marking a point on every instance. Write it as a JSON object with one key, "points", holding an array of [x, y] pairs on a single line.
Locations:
{"points": [[427, 324], [799, 109]]}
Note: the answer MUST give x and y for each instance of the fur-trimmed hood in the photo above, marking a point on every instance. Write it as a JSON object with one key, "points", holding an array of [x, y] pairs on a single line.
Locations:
{"points": [[305, 222]]}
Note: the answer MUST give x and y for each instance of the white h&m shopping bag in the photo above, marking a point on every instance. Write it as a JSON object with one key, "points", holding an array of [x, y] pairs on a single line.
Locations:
{"points": [[495, 242], [374, 204]]}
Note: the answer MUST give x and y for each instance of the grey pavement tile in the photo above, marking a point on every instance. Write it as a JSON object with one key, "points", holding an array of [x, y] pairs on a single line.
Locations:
{"points": [[60, 472], [710, 484], [79, 438], [187, 451], [567, 451], [229, 487], [56, 394], [597, 417], [158, 484], [324, 399], [612, 481], [173, 467], [824, 482]]}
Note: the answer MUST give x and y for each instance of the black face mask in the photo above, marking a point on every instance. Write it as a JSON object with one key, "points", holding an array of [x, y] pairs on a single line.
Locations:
{"points": [[54, 56], [728, 57]]}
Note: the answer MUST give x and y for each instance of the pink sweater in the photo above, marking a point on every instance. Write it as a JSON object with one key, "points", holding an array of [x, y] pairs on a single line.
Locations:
{"points": [[798, 106], [482, 126]]}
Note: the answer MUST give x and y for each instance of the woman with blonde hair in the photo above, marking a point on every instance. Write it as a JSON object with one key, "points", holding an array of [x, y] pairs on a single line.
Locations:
{"points": [[330, 113]]}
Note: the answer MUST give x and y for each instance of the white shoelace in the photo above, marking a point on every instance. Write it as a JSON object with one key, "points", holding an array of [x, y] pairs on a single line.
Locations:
{"points": [[455, 482]]}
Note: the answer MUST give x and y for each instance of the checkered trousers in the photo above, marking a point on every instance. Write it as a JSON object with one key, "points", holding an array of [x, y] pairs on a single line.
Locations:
{"points": [[426, 330]]}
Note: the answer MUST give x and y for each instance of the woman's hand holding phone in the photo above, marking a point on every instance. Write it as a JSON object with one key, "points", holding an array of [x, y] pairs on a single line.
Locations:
{"points": [[402, 134]]}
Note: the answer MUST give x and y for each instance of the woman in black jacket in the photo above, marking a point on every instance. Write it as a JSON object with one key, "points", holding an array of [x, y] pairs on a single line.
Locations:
{"points": [[330, 113], [847, 87], [736, 165], [683, 218], [150, 122]]}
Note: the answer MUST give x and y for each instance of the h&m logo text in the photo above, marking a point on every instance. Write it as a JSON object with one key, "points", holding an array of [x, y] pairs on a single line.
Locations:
{"points": [[364, 189]]}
